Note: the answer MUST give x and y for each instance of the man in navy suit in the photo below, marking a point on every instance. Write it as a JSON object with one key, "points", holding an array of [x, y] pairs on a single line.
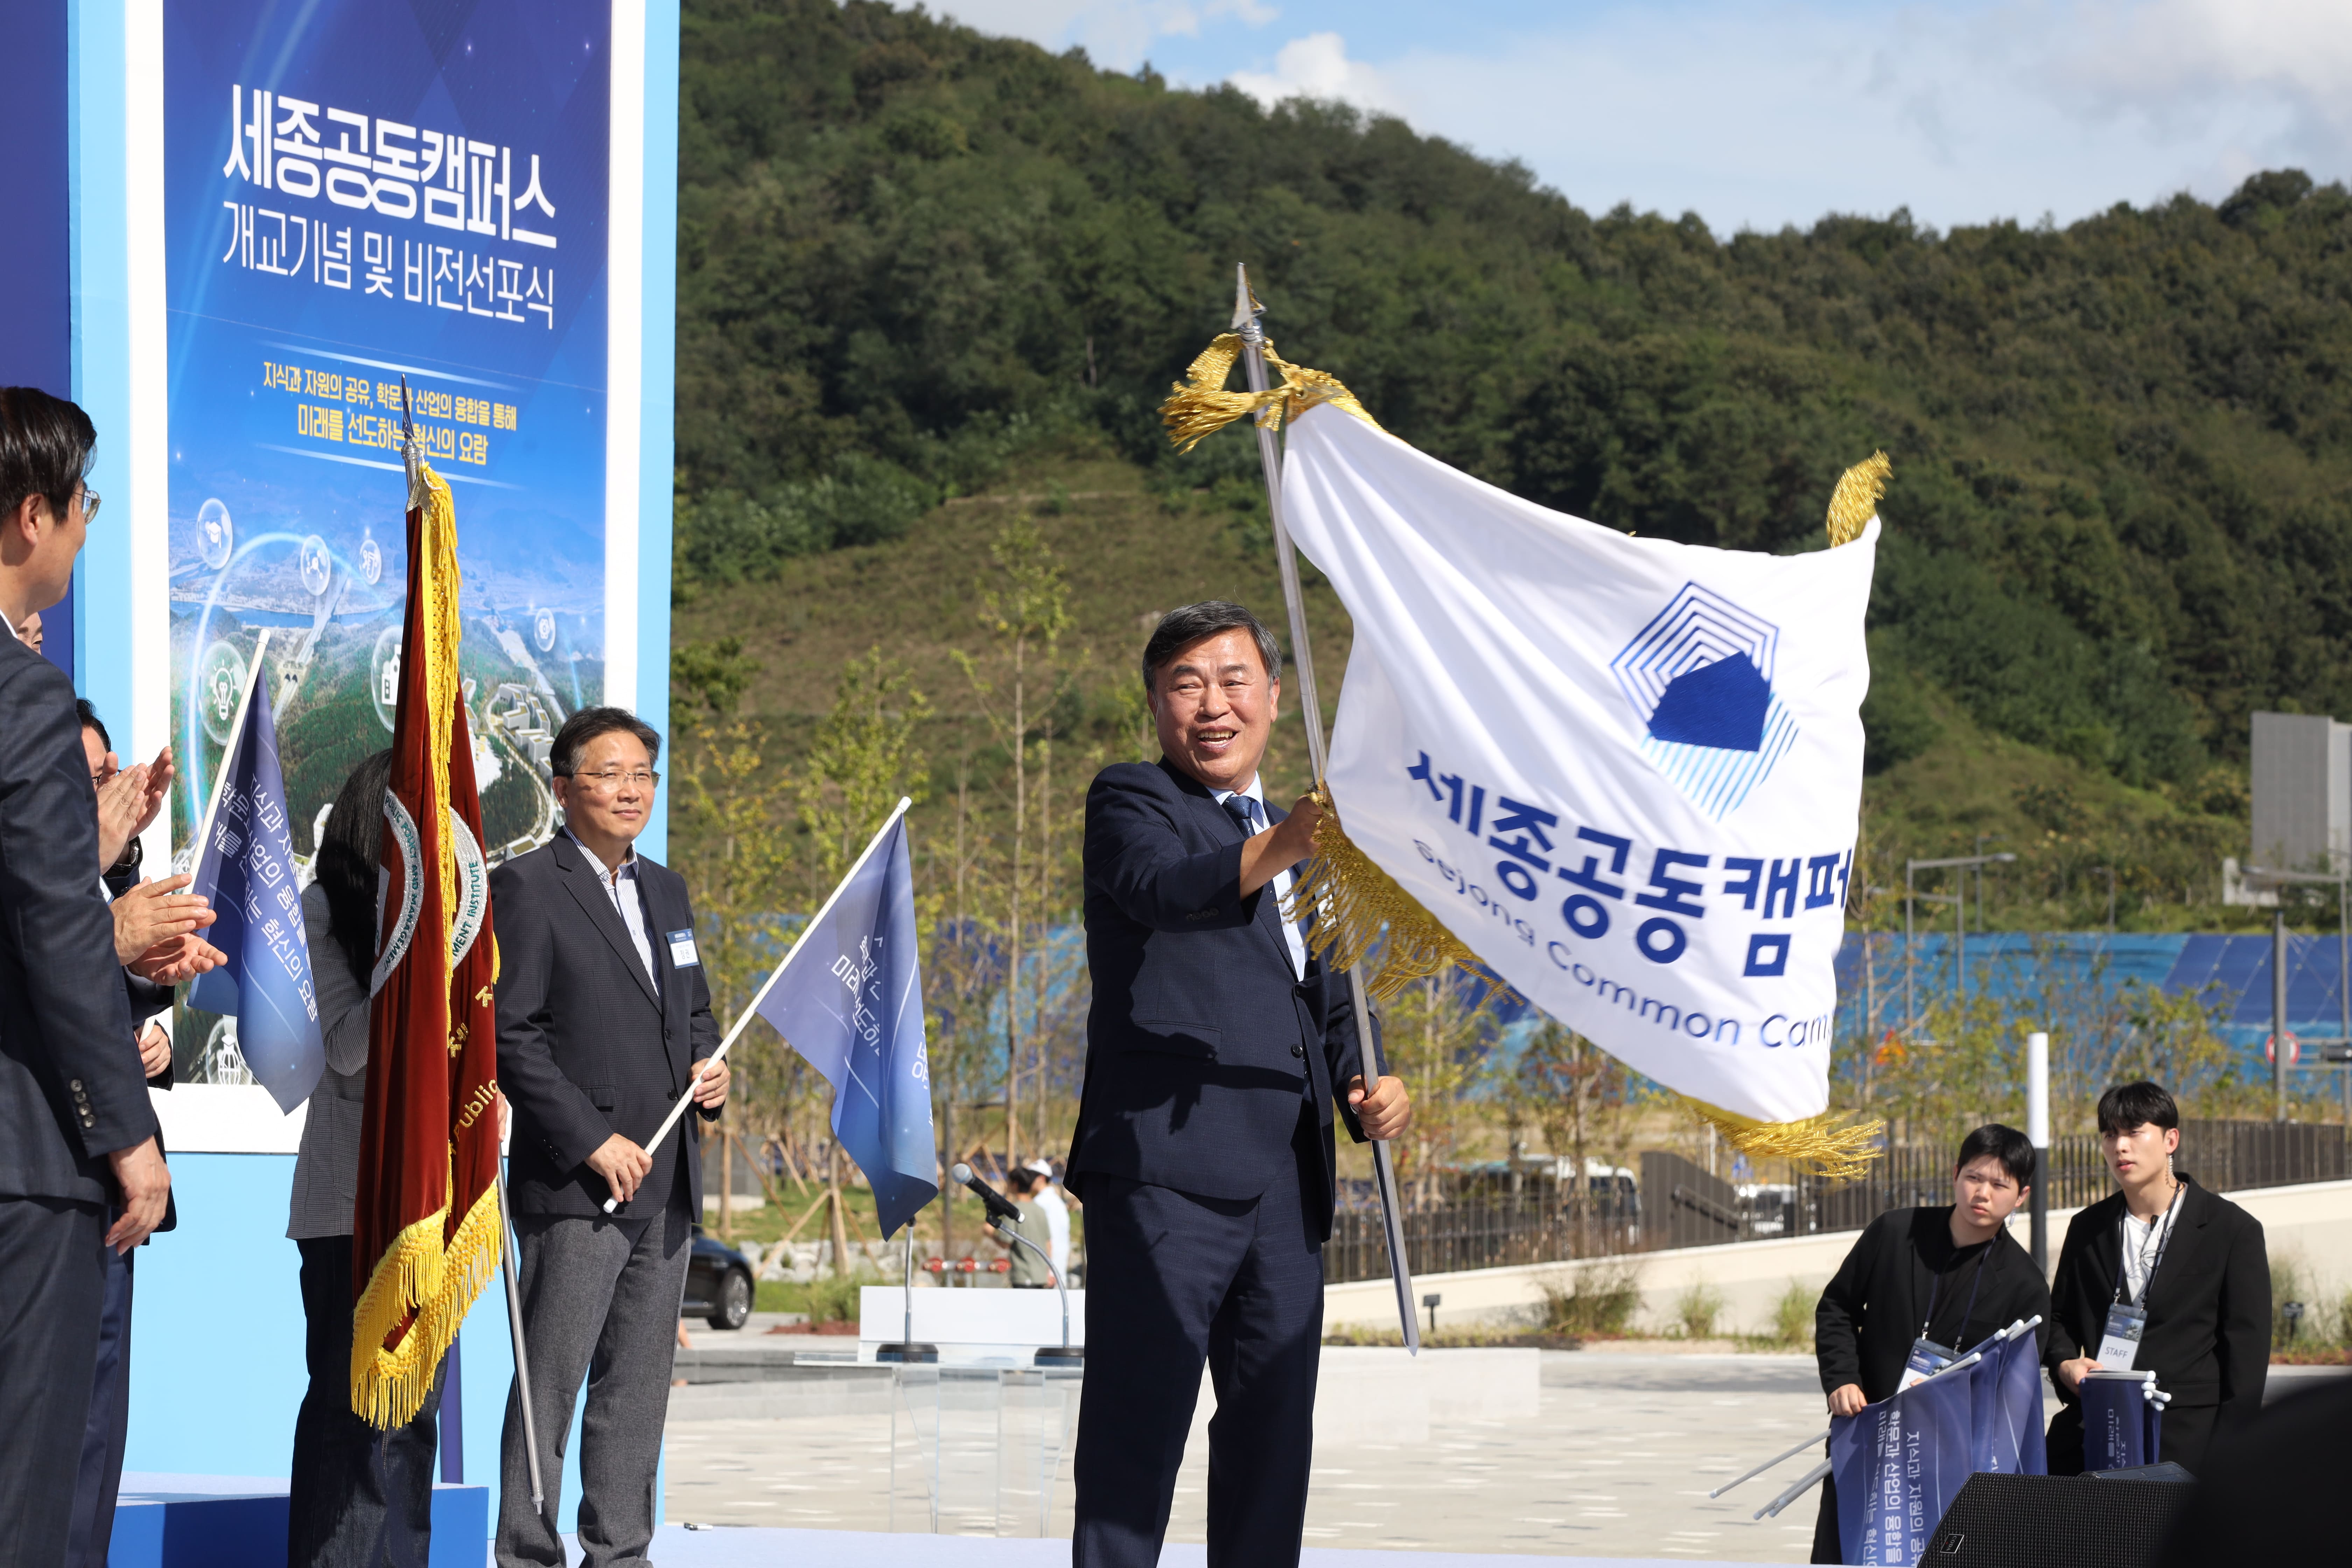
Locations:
{"points": [[1215, 1051]]}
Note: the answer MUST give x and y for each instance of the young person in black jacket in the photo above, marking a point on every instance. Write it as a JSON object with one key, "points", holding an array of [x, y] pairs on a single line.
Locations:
{"points": [[2186, 1267], [1951, 1277]]}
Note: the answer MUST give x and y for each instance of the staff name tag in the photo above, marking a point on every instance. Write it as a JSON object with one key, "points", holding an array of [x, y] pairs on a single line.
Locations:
{"points": [[1926, 1359], [681, 950], [2119, 1346]]}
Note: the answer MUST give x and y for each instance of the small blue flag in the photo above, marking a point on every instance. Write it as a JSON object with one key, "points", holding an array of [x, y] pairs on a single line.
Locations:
{"points": [[850, 1000], [2122, 1427], [247, 869], [1898, 1466], [2006, 1407]]}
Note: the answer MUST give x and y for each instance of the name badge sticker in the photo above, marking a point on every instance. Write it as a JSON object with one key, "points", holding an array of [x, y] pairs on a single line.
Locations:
{"points": [[2120, 1345], [681, 950]]}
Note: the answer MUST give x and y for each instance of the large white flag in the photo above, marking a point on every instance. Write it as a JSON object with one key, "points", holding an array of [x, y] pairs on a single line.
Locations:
{"points": [[1626, 773]]}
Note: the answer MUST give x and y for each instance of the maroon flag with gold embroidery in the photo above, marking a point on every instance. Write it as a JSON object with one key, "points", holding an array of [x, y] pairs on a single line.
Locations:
{"points": [[425, 1229]]}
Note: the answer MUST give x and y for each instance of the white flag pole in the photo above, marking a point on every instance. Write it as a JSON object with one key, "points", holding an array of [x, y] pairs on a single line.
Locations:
{"points": [[751, 1009], [1269, 451]]}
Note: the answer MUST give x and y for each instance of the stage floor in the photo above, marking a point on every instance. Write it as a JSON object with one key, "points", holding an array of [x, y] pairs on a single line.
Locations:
{"points": [[726, 1546]]}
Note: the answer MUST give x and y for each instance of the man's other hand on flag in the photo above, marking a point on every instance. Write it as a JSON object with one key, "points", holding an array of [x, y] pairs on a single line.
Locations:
{"points": [[622, 1165], [1281, 846], [130, 801], [156, 913], [711, 1092], [1382, 1110]]}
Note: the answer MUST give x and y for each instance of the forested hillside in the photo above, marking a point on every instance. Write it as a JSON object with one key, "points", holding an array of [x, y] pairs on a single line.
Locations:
{"points": [[914, 261]]}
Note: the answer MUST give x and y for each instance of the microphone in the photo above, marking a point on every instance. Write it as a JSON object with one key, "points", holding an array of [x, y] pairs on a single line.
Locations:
{"points": [[999, 1206]]}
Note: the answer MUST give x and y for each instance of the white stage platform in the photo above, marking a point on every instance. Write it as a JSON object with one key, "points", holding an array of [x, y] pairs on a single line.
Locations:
{"points": [[721, 1546]]}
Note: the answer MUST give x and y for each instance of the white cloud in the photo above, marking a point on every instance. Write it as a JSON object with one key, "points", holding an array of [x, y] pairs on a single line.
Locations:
{"points": [[1317, 66], [1118, 33]]}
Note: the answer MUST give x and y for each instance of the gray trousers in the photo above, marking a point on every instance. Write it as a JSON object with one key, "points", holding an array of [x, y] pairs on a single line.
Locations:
{"points": [[600, 1300]]}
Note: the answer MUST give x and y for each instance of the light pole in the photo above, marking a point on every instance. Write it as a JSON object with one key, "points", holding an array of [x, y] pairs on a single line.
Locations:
{"points": [[2037, 1129], [1911, 869]]}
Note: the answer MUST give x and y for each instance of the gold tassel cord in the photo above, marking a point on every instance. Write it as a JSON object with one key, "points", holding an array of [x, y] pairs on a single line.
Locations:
{"points": [[429, 1286], [1855, 501], [1834, 1144]]}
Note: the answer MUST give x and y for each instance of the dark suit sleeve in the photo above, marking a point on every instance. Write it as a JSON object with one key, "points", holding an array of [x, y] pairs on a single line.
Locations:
{"points": [[1134, 854], [145, 999], [1837, 1318], [55, 919], [554, 1106], [2064, 1341], [2242, 1337], [702, 1028]]}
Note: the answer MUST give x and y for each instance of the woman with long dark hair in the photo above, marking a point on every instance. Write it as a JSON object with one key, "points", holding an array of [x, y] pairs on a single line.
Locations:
{"points": [[359, 1496]]}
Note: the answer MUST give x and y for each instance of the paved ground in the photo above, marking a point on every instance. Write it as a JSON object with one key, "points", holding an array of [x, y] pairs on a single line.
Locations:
{"points": [[1615, 1460]]}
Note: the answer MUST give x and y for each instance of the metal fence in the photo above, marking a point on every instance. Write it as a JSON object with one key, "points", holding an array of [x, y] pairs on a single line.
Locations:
{"points": [[1483, 1224]]}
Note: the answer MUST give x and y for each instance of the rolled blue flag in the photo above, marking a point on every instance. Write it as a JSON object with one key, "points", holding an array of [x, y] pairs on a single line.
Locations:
{"points": [[1898, 1466], [2005, 1401], [849, 998], [2121, 1425], [247, 869]]}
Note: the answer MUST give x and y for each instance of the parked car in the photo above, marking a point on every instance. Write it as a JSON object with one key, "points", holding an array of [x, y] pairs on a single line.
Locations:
{"points": [[718, 1283]]}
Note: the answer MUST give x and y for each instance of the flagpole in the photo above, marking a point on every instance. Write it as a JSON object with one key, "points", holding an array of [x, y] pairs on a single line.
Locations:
{"points": [[236, 735], [744, 1018], [507, 1249], [1285, 554]]}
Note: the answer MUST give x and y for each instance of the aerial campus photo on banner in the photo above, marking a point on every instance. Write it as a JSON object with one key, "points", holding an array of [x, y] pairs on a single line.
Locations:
{"points": [[993, 784]]}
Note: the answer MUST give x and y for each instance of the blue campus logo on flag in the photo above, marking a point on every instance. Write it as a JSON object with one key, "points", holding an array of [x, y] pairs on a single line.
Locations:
{"points": [[1700, 675], [850, 1000], [247, 869]]}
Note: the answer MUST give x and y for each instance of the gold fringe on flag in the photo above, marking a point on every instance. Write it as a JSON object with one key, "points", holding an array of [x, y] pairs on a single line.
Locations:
{"points": [[1855, 501], [1353, 902], [430, 1289], [1199, 406], [1834, 1144]]}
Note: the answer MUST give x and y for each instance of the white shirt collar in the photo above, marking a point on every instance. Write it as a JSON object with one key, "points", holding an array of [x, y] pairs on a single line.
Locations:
{"points": [[628, 866], [1254, 790]]}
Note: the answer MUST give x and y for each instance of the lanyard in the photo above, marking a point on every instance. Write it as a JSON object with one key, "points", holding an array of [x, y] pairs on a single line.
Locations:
{"points": [[2159, 1238], [1936, 1283]]}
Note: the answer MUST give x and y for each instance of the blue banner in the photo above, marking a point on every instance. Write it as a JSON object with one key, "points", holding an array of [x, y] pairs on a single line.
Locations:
{"points": [[850, 1000], [247, 869], [2006, 1407], [356, 196], [1898, 1466]]}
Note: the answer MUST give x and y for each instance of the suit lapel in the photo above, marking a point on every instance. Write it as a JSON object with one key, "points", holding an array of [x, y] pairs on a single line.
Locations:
{"points": [[585, 885], [667, 918]]}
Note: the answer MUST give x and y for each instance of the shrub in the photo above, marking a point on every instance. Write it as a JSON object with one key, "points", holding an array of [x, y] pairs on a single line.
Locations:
{"points": [[1696, 1311], [1594, 1300], [1792, 1317]]}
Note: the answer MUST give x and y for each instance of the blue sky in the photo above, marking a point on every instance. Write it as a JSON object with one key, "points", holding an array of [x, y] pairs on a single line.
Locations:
{"points": [[1763, 114]]}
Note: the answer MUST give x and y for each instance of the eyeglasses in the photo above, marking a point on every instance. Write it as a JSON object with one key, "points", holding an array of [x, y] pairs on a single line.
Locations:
{"points": [[90, 500], [610, 782]]}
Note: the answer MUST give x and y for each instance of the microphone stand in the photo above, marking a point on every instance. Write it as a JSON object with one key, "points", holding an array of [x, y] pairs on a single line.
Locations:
{"points": [[1047, 1355], [907, 1349]]}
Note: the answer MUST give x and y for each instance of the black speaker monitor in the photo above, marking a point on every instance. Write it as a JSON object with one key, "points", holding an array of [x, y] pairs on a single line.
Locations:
{"points": [[2121, 1519]]}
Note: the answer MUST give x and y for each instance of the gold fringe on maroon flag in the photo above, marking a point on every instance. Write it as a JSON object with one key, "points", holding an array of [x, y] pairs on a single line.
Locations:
{"points": [[425, 1228]]}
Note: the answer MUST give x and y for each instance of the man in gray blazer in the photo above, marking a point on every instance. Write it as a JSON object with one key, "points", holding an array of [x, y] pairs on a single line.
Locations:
{"points": [[603, 1017], [77, 1133]]}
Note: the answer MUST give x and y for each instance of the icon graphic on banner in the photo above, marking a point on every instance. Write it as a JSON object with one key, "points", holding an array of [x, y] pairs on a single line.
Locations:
{"points": [[1700, 676], [220, 686], [215, 534], [371, 559], [384, 676], [317, 566], [543, 630]]}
